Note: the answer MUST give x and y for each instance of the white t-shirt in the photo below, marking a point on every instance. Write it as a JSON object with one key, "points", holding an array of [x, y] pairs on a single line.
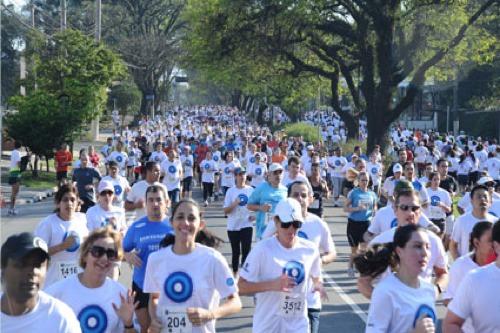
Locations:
{"points": [[463, 227], [134, 155], [48, 315], [227, 173], [208, 169], [433, 211], [92, 306], [335, 165], [137, 193], [182, 284], [239, 217], [477, 298], [158, 156], [394, 306], [287, 180], [172, 174], [267, 261], [54, 231], [15, 158], [458, 271], [121, 186], [97, 218], [120, 158], [492, 165], [438, 257], [375, 170], [385, 219], [187, 164], [257, 172]]}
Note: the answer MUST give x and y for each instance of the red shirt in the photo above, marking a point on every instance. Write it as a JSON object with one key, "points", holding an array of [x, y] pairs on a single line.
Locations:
{"points": [[94, 159], [63, 159], [201, 152]]}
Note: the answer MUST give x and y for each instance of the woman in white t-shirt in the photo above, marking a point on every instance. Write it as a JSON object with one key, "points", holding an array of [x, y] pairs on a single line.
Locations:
{"points": [[402, 301], [208, 167], [481, 255], [171, 170], [185, 297], [228, 166], [281, 271], [257, 171], [100, 304], [440, 202], [239, 219], [63, 231]]}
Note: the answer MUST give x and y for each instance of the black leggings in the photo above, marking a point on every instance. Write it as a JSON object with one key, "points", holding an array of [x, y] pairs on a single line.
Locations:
{"points": [[208, 190], [239, 238]]}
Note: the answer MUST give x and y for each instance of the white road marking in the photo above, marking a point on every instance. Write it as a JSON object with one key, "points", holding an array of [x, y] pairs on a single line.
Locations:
{"points": [[346, 298]]}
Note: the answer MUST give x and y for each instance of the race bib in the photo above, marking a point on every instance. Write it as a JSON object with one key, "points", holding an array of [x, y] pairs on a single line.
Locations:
{"points": [[175, 320], [67, 268], [291, 305], [172, 179], [436, 212]]}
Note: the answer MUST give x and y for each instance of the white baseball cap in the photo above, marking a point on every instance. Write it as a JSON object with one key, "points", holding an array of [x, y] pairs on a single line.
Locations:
{"points": [[485, 180], [105, 185], [397, 168], [289, 210], [275, 167]]}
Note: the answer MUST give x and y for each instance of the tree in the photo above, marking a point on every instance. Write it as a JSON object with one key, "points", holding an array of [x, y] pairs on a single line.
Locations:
{"points": [[372, 45], [12, 39], [73, 73], [146, 33], [127, 97]]}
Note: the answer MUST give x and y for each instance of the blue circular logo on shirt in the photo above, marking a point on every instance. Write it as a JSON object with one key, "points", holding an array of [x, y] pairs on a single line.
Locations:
{"points": [[337, 163], [243, 199], [118, 189], [435, 200], [252, 159], [207, 166], [295, 270], [394, 222], [76, 245], [302, 234], [131, 153], [226, 170], [230, 282], [119, 158], [374, 170], [426, 310], [216, 158], [157, 158], [172, 169], [258, 171], [93, 319], [187, 162], [178, 287]]}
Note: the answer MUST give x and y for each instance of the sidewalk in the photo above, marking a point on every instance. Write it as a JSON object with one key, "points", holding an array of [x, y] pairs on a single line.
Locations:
{"points": [[28, 195]]}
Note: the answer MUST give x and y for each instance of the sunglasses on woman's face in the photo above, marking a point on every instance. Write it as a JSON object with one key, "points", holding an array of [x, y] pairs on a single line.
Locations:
{"points": [[295, 224], [407, 207], [103, 193], [98, 251]]}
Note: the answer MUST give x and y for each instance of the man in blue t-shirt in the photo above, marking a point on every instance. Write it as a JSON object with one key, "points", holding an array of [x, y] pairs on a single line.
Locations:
{"points": [[142, 238], [265, 198]]}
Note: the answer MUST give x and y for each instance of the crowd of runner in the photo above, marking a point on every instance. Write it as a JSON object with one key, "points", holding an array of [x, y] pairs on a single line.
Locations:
{"points": [[131, 202]]}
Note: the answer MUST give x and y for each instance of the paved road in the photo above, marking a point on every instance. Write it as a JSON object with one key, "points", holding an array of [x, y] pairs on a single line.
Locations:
{"points": [[345, 311]]}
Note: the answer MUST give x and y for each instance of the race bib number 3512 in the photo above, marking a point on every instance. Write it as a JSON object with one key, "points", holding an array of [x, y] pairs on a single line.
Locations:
{"points": [[291, 305]]}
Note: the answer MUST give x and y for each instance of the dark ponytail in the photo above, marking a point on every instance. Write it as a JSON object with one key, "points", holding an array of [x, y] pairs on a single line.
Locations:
{"points": [[203, 236], [376, 260], [478, 231]]}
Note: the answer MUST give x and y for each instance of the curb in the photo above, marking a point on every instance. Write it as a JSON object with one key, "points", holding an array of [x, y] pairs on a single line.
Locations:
{"points": [[39, 196]]}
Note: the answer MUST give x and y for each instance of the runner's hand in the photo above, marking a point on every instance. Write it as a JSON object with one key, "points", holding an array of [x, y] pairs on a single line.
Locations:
{"points": [[199, 316], [133, 258], [127, 307], [284, 283], [69, 242], [318, 286], [424, 325]]}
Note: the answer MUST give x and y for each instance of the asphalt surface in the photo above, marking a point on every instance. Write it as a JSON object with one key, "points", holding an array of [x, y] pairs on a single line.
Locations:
{"points": [[345, 310]]}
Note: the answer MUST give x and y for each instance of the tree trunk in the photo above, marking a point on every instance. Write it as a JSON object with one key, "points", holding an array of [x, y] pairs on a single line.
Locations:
{"points": [[235, 98], [378, 134], [351, 122], [260, 113], [144, 104], [35, 172], [47, 163]]}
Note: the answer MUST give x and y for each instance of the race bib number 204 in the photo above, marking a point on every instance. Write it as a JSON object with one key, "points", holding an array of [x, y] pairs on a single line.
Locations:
{"points": [[175, 320]]}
